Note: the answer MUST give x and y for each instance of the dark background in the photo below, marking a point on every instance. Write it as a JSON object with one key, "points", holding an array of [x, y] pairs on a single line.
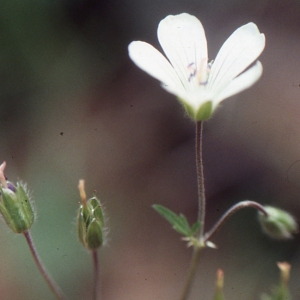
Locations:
{"points": [[74, 106]]}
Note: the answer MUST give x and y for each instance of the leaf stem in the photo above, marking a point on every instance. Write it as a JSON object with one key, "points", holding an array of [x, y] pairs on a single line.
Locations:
{"points": [[96, 273], [230, 212], [53, 286]]}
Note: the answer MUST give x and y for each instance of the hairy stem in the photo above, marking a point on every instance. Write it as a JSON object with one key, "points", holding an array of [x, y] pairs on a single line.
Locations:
{"points": [[53, 286], [230, 212], [201, 211], [191, 273], [200, 177], [96, 273]]}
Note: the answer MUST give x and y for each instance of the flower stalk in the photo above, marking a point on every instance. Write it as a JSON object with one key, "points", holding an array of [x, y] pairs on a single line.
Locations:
{"points": [[52, 285], [96, 274], [200, 177], [230, 212], [201, 212]]}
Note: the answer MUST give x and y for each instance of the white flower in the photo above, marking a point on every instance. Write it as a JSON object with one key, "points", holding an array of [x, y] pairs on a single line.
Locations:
{"points": [[200, 85]]}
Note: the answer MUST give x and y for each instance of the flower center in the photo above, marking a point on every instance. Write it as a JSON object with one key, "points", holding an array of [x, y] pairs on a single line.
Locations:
{"points": [[199, 75]]}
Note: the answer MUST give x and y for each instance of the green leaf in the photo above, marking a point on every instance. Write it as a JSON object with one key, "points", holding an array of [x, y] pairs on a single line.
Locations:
{"points": [[179, 222], [195, 228]]}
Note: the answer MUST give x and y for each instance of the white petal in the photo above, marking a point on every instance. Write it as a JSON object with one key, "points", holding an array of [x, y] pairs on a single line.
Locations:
{"points": [[240, 50], [183, 40], [154, 63], [240, 83]]}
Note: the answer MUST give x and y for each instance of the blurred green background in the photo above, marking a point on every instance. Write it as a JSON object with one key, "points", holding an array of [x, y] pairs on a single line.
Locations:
{"points": [[74, 106]]}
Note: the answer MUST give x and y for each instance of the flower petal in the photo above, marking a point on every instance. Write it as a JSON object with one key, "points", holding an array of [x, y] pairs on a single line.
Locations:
{"points": [[154, 63], [240, 83], [183, 40], [240, 50]]}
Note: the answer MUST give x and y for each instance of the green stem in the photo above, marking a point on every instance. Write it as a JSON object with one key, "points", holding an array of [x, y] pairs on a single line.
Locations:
{"points": [[53, 286], [96, 273], [200, 177], [201, 210], [230, 212], [191, 273]]}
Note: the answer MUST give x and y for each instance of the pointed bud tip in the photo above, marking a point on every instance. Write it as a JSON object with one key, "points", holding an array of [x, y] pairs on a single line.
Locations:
{"points": [[284, 268], [81, 188], [220, 279]]}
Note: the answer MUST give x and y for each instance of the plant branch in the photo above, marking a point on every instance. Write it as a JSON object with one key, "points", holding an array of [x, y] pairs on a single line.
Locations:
{"points": [[230, 212]]}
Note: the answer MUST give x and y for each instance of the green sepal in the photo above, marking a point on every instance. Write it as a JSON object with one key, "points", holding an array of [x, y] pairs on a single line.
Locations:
{"points": [[25, 202], [179, 222], [205, 112], [86, 213], [202, 114], [81, 226], [16, 209], [94, 236], [7, 217], [90, 224], [97, 209]]}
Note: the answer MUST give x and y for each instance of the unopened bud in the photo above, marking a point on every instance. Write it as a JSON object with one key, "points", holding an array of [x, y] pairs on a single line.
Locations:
{"points": [[278, 224], [15, 205], [90, 221], [219, 285], [285, 269]]}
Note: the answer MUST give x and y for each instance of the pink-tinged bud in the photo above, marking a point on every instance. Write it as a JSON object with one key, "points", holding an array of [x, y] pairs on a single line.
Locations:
{"points": [[15, 204]]}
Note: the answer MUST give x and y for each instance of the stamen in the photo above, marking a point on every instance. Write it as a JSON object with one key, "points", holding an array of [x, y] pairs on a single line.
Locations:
{"points": [[193, 71]]}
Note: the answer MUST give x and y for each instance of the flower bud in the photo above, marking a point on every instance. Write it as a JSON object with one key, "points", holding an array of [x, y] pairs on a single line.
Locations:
{"points": [[219, 285], [15, 205], [285, 269], [90, 221], [278, 224], [281, 291]]}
